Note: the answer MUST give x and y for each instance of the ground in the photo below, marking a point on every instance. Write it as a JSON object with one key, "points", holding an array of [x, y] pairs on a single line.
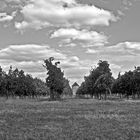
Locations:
{"points": [[69, 119]]}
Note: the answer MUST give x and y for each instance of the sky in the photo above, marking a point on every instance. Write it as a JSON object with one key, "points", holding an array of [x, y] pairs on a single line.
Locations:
{"points": [[78, 33]]}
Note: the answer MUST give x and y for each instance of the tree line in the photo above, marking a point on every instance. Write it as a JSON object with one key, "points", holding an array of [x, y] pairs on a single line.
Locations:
{"points": [[15, 83], [128, 84], [100, 83]]}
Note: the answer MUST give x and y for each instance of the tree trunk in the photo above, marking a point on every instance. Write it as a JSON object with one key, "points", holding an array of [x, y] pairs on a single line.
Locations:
{"points": [[120, 95], [91, 95], [109, 91], [138, 95], [127, 96], [52, 94], [105, 95], [7, 95], [100, 96], [133, 95]]}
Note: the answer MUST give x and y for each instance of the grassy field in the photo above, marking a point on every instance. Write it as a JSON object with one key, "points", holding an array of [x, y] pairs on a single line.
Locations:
{"points": [[73, 119]]}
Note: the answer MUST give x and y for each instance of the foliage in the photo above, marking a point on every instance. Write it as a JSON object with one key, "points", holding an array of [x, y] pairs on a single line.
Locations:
{"points": [[67, 89], [41, 87], [98, 82], [55, 78], [16, 83], [128, 83]]}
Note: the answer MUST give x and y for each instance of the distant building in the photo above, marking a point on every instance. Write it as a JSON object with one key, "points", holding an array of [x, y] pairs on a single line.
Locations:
{"points": [[75, 87]]}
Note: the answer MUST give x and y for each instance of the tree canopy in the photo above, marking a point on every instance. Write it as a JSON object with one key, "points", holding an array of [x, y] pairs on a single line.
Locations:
{"points": [[128, 84], [98, 82], [55, 78], [17, 83]]}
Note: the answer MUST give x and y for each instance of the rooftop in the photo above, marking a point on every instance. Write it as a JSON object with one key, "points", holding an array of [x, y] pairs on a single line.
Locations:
{"points": [[75, 84]]}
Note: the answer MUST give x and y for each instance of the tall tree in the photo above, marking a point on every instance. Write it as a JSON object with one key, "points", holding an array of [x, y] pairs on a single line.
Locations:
{"points": [[67, 89], [55, 78], [98, 81]]}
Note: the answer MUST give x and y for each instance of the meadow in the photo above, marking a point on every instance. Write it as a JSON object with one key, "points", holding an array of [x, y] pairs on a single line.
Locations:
{"points": [[69, 119]]}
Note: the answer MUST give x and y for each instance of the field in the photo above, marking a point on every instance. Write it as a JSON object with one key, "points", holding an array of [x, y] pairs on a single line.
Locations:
{"points": [[73, 119]]}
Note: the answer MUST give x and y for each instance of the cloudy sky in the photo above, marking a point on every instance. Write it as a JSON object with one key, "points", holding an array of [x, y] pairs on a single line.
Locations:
{"points": [[76, 32]]}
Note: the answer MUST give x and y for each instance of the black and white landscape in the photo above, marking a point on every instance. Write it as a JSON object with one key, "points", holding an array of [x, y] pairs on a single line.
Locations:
{"points": [[69, 69]]}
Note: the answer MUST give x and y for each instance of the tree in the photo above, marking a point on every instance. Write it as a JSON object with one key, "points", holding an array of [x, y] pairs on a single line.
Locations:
{"points": [[128, 84], [3, 82], [98, 81], [137, 81], [41, 87], [17, 83], [11, 83], [103, 84], [55, 78], [67, 89], [104, 81]]}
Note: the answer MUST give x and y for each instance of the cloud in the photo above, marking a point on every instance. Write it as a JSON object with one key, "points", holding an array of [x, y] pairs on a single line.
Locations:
{"points": [[122, 56], [91, 51], [67, 45], [133, 45], [63, 13], [27, 66], [4, 17], [87, 38], [30, 58], [75, 68], [35, 68], [82, 35], [120, 49], [12, 5], [71, 62], [29, 52], [16, 1], [124, 49]]}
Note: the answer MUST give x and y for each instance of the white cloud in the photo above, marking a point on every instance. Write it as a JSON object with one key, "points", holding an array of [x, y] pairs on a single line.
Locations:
{"points": [[21, 25], [84, 35], [123, 55], [127, 44], [75, 69], [30, 58], [87, 38], [68, 45], [132, 45], [63, 13], [91, 51], [16, 1], [36, 69], [124, 49], [29, 52], [4, 17]]}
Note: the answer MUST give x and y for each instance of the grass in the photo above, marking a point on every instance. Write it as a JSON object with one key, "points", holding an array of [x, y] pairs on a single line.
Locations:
{"points": [[73, 119]]}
